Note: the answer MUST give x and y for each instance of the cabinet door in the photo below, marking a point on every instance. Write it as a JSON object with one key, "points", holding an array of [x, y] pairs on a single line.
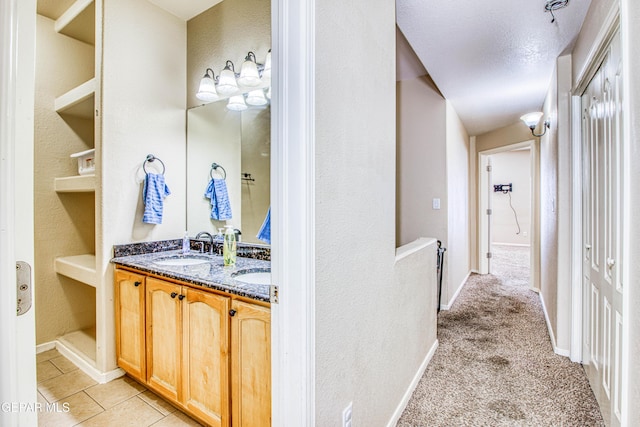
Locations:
{"points": [[130, 326], [205, 381], [250, 365], [164, 337]]}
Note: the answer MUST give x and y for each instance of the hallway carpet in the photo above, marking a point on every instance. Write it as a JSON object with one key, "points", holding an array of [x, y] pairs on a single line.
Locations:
{"points": [[495, 365]]}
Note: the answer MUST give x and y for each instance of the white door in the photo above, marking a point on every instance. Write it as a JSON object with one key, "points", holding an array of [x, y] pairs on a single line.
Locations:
{"points": [[601, 234], [17, 334]]}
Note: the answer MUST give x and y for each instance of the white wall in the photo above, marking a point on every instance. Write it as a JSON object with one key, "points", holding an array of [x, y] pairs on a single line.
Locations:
{"points": [[375, 320], [458, 241], [511, 167]]}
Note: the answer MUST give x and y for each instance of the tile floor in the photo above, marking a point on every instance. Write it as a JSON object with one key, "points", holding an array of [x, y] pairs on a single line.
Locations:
{"points": [[122, 402]]}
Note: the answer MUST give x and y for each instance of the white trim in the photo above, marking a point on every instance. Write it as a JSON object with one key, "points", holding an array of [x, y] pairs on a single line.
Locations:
{"points": [[412, 386], [576, 230], [522, 245], [82, 364], [552, 337], [455, 296], [413, 247], [293, 212]]}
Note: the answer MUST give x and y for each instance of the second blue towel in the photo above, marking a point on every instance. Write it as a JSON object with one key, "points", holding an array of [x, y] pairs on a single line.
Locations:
{"points": [[220, 205]]}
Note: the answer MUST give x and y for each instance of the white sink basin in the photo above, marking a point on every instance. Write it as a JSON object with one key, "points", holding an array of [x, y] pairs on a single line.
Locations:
{"points": [[182, 261], [254, 278]]}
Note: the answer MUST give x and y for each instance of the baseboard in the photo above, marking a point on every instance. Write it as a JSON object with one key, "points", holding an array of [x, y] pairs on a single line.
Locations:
{"points": [[556, 350], [412, 386], [81, 363], [455, 296]]}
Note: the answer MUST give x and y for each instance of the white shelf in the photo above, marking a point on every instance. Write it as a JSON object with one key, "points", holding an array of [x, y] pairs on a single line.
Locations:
{"points": [[82, 344], [78, 267], [78, 21], [79, 101], [75, 184]]}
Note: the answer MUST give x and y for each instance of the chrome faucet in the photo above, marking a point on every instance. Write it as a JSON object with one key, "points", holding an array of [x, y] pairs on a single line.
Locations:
{"points": [[206, 234]]}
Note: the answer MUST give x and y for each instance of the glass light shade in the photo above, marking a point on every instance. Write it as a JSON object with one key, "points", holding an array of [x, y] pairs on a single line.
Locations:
{"points": [[207, 89], [531, 119], [227, 83], [256, 97], [236, 103], [266, 73], [249, 75], [269, 93]]}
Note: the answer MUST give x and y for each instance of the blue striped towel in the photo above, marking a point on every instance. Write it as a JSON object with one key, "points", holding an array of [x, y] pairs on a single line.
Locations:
{"points": [[265, 231], [153, 193], [220, 205]]}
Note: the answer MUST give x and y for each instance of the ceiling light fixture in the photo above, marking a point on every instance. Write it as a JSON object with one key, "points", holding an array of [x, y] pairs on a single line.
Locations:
{"points": [[555, 5], [532, 120]]}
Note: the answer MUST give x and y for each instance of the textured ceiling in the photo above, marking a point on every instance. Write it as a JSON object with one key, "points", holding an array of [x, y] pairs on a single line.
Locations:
{"points": [[493, 59]]}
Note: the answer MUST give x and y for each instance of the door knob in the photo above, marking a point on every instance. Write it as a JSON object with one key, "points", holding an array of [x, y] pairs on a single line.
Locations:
{"points": [[611, 263]]}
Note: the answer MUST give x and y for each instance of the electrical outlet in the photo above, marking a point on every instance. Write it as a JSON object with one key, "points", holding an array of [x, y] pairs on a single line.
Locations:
{"points": [[346, 415]]}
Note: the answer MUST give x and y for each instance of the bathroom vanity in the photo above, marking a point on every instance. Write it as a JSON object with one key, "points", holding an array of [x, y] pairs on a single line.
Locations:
{"points": [[197, 333]]}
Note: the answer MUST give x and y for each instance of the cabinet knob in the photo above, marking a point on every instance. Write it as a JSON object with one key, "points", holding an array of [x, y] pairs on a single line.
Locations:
{"points": [[181, 297], [136, 284], [174, 294], [232, 312]]}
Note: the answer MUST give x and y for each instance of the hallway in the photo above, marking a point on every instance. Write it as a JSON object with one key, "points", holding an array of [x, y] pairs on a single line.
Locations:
{"points": [[495, 365]]}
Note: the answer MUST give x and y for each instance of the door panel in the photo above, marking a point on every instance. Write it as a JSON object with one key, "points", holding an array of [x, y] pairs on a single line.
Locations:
{"points": [[602, 233]]}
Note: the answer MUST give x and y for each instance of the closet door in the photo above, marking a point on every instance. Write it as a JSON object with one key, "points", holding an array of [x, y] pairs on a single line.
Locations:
{"points": [[602, 233]]}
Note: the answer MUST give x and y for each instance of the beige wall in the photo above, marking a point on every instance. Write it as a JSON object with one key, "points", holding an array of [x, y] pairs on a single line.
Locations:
{"points": [[226, 31], [457, 260], [372, 330], [63, 223], [420, 161], [511, 167]]}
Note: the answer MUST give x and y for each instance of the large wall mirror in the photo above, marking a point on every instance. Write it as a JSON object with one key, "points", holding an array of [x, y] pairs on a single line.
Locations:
{"points": [[240, 143]]}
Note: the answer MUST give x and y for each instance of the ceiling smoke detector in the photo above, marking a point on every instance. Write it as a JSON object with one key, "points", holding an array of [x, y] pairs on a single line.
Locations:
{"points": [[555, 5]]}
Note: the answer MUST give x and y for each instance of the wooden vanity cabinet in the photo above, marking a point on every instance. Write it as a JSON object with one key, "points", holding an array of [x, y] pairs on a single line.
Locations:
{"points": [[130, 323], [250, 365], [208, 353]]}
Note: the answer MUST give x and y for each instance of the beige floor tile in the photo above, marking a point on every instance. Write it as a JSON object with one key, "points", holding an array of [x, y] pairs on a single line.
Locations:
{"points": [[64, 364], [47, 370], [177, 419], [65, 385], [47, 355], [80, 407], [110, 394], [158, 403], [130, 413]]}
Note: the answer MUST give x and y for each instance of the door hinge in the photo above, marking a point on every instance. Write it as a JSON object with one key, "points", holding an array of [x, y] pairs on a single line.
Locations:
{"points": [[273, 294], [23, 282], [489, 255], [488, 168], [489, 212]]}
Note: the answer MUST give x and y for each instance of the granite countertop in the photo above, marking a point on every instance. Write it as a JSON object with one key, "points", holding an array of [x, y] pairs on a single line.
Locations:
{"points": [[210, 274]]}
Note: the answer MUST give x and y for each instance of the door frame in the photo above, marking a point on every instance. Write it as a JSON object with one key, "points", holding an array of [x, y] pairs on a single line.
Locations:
{"points": [[17, 335], [293, 207], [483, 195]]}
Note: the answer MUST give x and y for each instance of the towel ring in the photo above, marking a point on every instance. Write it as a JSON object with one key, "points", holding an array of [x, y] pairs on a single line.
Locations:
{"points": [[150, 158], [215, 166]]}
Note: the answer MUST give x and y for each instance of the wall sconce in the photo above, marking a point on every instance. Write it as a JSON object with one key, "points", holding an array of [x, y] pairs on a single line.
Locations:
{"points": [[532, 119], [249, 75], [236, 103], [256, 97], [227, 83]]}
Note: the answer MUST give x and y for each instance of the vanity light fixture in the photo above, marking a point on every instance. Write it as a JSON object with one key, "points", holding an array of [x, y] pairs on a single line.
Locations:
{"points": [[236, 103], [532, 120], [227, 83], [249, 75], [256, 97], [207, 89]]}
